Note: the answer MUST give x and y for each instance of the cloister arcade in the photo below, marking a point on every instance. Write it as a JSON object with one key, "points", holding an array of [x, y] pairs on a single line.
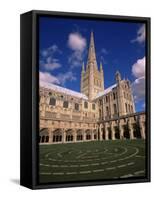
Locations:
{"points": [[124, 128]]}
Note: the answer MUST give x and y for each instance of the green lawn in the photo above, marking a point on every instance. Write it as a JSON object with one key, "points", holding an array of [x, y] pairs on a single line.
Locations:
{"points": [[92, 161]]}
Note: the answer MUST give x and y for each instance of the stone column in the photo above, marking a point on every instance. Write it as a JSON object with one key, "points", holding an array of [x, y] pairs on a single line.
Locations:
{"points": [[142, 129], [74, 136], [121, 132], [63, 136], [113, 132], [106, 133], [50, 131], [131, 131], [100, 132], [84, 135], [92, 134]]}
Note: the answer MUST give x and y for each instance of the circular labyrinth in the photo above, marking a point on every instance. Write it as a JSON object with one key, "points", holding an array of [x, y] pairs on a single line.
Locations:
{"points": [[92, 160]]}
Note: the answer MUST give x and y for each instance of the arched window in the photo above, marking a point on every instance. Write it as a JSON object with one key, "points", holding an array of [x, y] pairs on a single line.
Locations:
{"points": [[100, 114], [107, 110], [69, 137], [126, 107], [129, 108], [47, 139], [76, 106], [43, 139], [65, 104], [93, 106], [115, 108], [52, 101], [114, 96], [85, 104], [88, 136]]}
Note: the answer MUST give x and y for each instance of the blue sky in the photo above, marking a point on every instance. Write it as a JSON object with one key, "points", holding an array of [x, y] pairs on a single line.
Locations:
{"points": [[119, 46]]}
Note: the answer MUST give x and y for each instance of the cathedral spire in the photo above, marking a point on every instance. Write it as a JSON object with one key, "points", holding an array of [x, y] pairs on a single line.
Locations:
{"points": [[92, 54], [92, 79]]}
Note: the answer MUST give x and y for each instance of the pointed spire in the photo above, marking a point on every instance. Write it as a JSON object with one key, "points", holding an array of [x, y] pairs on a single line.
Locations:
{"points": [[101, 67], [83, 69], [118, 76], [92, 54]]}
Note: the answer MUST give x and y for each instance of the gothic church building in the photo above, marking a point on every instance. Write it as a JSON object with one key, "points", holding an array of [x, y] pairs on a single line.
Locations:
{"points": [[94, 114]]}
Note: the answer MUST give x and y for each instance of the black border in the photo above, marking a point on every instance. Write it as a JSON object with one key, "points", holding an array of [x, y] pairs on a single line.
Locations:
{"points": [[29, 45]]}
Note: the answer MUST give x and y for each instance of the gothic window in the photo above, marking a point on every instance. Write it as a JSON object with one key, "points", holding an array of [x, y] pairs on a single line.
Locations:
{"points": [[107, 110], [88, 136], [100, 116], [69, 137], [114, 96], [65, 104], [52, 101], [129, 108], [93, 106], [85, 104], [115, 108], [79, 137], [126, 107], [76, 106], [107, 99]]}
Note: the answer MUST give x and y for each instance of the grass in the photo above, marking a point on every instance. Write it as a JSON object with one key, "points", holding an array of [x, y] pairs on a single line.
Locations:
{"points": [[92, 161]]}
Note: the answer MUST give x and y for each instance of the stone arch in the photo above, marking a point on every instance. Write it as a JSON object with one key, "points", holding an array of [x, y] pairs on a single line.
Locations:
{"points": [[136, 131], [88, 134], [44, 135], [57, 135], [47, 138], [103, 133], [79, 136], [100, 113], [69, 135], [126, 131], [95, 134], [109, 133], [117, 132]]}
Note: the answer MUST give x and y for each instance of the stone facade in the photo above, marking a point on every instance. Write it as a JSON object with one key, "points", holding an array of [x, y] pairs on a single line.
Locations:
{"points": [[94, 114]]}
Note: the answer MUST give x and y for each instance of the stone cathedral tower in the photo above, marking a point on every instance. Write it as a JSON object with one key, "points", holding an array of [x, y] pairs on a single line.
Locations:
{"points": [[92, 78]]}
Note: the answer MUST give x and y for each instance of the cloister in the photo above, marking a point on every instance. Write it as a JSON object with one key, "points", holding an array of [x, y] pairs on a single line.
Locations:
{"points": [[128, 127]]}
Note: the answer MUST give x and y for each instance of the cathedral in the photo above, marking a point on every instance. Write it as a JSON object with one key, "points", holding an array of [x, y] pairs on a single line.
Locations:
{"points": [[94, 113]]}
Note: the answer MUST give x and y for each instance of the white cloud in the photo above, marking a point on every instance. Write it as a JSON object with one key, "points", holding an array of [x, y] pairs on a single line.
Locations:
{"points": [[48, 60], [140, 38], [60, 79], [138, 86], [75, 59], [48, 78], [68, 76], [76, 42], [104, 51], [138, 68]]}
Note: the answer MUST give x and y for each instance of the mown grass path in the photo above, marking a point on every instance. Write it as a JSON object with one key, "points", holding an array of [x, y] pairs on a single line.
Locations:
{"points": [[92, 161]]}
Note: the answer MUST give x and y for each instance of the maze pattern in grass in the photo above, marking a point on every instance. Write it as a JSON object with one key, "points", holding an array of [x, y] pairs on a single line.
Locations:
{"points": [[92, 161]]}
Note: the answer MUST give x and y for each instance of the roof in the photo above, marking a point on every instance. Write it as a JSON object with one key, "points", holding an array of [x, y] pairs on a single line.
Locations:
{"points": [[106, 91], [63, 90]]}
